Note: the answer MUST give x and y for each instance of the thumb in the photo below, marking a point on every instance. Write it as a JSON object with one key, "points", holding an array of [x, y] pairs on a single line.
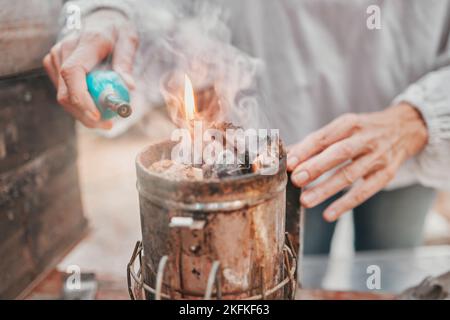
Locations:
{"points": [[123, 56]]}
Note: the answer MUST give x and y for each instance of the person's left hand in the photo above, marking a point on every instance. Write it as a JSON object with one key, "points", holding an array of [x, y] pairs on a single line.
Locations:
{"points": [[366, 149]]}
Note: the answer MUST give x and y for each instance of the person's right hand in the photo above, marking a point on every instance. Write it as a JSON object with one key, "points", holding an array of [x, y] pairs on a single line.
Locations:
{"points": [[104, 32]]}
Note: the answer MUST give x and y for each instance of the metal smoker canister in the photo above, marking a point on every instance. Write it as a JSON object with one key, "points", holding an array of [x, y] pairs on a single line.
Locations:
{"points": [[229, 231]]}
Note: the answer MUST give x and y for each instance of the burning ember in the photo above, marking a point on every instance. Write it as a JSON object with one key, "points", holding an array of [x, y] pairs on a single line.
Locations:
{"points": [[214, 150]]}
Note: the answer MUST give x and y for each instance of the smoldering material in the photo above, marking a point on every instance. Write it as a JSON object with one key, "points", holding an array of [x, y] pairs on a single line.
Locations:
{"points": [[265, 159]]}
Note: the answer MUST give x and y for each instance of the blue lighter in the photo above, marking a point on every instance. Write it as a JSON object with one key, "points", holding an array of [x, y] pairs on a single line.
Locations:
{"points": [[109, 93]]}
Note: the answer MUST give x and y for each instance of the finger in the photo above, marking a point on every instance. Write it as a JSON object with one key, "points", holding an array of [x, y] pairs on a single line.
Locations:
{"points": [[52, 63], [82, 117], [57, 62], [338, 129], [342, 178], [331, 157], [77, 92], [359, 193], [63, 94], [123, 57], [289, 148], [57, 57], [55, 53], [91, 50], [67, 47], [51, 72]]}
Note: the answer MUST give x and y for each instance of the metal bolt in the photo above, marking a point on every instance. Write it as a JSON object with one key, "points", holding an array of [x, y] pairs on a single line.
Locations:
{"points": [[177, 222]]}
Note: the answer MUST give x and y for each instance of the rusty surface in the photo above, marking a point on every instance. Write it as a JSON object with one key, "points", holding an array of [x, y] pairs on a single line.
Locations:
{"points": [[248, 242], [31, 122]]}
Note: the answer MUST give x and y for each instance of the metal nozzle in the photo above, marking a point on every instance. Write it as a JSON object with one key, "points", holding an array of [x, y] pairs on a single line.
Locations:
{"points": [[122, 108]]}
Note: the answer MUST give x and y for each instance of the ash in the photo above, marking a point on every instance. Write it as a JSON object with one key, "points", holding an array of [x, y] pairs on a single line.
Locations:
{"points": [[265, 160]]}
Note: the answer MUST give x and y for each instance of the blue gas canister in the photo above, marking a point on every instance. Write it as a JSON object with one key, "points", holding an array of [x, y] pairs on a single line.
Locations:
{"points": [[109, 93]]}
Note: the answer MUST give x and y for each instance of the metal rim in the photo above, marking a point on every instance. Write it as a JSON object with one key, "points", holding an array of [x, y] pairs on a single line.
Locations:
{"points": [[209, 206]]}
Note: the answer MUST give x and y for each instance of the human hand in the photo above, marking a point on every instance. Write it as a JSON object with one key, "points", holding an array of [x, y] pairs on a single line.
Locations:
{"points": [[366, 149], [104, 32]]}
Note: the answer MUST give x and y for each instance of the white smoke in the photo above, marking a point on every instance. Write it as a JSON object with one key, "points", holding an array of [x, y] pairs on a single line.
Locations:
{"points": [[192, 38]]}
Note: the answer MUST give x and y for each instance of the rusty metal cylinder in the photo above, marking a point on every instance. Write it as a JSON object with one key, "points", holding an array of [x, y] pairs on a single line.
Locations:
{"points": [[230, 230]]}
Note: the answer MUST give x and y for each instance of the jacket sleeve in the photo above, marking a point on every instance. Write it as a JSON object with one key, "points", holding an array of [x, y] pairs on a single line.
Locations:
{"points": [[81, 8], [431, 96]]}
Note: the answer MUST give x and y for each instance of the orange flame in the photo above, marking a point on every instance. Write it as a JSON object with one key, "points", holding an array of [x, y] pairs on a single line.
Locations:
{"points": [[189, 100]]}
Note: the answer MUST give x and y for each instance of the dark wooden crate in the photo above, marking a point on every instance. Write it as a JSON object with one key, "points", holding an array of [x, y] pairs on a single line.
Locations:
{"points": [[40, 205]]}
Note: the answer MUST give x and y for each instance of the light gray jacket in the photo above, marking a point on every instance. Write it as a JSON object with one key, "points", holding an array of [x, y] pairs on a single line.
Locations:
{"points": [[321, 60]]}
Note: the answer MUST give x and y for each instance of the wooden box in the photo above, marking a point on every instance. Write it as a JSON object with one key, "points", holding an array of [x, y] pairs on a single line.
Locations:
{"points": [[41, 215]]}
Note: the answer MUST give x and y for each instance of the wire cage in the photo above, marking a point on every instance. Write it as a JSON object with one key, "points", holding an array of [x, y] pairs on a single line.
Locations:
{"points": [[139, 289]]}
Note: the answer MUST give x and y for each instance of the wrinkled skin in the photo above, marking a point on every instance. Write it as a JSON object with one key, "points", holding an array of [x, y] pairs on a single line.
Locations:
{"points": [[103, 33], [366, 149]]}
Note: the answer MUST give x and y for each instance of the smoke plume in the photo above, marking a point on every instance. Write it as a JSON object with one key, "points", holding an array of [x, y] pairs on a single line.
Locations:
{"points": [[193, 38]]}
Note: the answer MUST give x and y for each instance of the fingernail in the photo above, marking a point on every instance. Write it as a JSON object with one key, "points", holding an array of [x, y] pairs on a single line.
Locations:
{"points": [[330, 215], [292, 161], [93, 115], [309, 197], [301, 177]]}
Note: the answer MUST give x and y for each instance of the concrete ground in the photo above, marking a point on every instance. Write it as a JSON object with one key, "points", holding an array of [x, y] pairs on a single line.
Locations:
{"points": [[110, 199], [108, 184]]}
